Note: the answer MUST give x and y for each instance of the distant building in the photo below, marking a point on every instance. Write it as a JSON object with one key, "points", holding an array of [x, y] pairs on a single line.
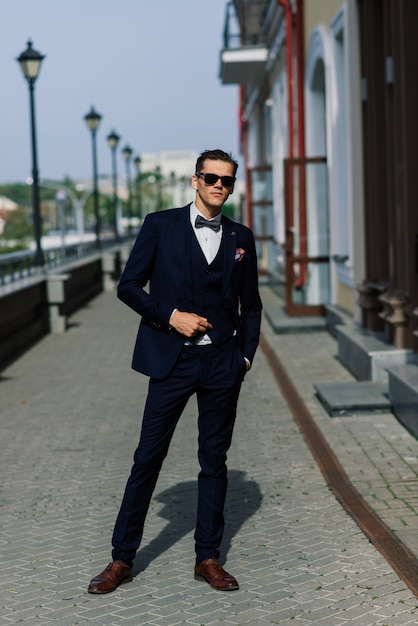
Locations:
{"points": [[6, 205], [165, 181], [180, 162], [175, 169]]}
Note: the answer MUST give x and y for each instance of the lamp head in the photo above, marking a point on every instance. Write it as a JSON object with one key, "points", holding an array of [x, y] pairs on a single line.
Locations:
{"points": [[30, 61], [93, 119], [113, 140], [127, 152]]}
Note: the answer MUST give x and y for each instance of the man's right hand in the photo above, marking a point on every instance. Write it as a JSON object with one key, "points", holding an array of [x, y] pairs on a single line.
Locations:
{"points": [[189, 324]]}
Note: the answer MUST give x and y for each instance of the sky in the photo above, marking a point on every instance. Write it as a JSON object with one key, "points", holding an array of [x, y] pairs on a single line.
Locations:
{"points": [[149, 67]]}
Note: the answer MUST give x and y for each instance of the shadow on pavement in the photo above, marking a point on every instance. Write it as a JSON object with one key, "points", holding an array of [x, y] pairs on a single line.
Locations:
{"points": [[243, 500]]}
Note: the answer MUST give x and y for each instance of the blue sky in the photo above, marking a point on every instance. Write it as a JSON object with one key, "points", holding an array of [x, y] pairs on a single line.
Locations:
{"points": [[150, 67]]}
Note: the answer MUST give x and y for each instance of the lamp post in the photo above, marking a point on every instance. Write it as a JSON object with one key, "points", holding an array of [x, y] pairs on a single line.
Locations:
{"points": [[93, 121], [113, 141], [159, 188], [60, 198], [127, 153], [173, 185], [137, 162], [30, 61], [183, 181]]}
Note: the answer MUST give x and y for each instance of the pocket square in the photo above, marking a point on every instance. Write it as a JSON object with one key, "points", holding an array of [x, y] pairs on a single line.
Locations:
{"points": [[239, 254]]}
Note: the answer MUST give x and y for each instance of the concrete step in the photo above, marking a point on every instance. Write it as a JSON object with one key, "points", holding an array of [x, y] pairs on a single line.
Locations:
{"points": [[353, 398], [403, 393], [283, 323], [367, 356], [335, 316]]}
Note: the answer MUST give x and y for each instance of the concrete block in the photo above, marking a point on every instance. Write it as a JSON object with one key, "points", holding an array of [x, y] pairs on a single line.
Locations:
{"points": [[367, 356], [336, 317], [56, 284], [353, 398], [403, 394], [111, 268], [56, 287], [283, 323], [57, 321]]}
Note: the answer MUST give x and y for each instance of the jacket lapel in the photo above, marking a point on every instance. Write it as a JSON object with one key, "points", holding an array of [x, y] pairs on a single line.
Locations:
{"points": [[181, 238], [230, 244]]}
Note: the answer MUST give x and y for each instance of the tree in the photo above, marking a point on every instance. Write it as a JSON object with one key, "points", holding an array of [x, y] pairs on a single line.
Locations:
{"points": [[18, 225]]}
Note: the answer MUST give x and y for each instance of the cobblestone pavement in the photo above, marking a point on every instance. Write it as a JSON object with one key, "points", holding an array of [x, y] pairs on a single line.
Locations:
{"points": [[70, 415]]}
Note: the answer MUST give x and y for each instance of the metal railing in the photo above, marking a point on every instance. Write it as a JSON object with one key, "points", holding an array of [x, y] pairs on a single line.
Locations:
{"points": [[244, 23], [16, 266]]}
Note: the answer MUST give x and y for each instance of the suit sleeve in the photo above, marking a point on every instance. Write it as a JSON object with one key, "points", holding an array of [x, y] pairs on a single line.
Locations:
{"points": [[250, 305], [137, 273]]}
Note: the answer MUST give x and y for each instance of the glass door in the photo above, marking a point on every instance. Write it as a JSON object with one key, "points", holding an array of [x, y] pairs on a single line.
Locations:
{"points": [[307, 236]]}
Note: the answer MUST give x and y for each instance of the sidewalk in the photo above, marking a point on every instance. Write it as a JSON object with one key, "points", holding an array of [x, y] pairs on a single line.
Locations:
{"points": [[70, 416]]}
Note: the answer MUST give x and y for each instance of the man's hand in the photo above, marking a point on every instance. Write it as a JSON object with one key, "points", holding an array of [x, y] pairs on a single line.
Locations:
{"points": [[189, 324]]}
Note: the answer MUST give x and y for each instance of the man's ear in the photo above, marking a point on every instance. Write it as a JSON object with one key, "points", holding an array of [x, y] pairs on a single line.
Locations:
{"points": [[194, 181]]}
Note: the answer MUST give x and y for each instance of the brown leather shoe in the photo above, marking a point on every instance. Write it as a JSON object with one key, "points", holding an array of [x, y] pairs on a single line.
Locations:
{"points": [[211, 572], [116, 573]]}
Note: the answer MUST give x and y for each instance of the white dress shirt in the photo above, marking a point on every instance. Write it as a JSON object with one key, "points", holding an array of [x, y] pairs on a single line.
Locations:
{"points": [[208, 239]]}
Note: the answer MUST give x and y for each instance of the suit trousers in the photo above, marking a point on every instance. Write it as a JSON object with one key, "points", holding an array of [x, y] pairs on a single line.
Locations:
{"points": [[215, 374]]}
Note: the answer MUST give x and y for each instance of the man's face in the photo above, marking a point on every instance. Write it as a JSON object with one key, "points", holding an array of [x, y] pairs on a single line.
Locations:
{"points": [[210, 198]]}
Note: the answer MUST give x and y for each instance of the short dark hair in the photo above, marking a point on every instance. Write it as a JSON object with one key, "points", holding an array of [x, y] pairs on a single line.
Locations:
{"points": [[216, 155]]}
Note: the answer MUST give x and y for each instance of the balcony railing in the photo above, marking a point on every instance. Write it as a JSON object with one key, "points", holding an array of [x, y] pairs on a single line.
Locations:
{"points": [[245, 51], [244, 22]]}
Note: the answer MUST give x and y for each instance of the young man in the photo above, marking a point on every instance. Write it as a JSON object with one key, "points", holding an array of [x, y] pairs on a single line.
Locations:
{"points": [[198, 334]]}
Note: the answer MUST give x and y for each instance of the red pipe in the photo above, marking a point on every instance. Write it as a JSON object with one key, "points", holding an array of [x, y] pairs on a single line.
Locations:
{"points": [[289, 62], [301, 71], [301, 119], [244, 149], [243, 128], [301, 138]]}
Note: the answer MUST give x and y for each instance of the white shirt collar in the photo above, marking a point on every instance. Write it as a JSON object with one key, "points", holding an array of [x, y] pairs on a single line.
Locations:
{"points": [[194, 212]]}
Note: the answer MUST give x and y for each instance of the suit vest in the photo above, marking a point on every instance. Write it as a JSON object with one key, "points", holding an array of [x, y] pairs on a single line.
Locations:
{"points": [[207, 290]]}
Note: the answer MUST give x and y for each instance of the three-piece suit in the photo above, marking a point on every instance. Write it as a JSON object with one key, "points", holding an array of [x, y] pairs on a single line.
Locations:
{"points": [[167, 270]]}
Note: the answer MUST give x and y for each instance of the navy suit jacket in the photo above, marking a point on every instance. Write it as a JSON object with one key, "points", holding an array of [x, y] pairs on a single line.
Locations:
{"points": [[160, 258]]}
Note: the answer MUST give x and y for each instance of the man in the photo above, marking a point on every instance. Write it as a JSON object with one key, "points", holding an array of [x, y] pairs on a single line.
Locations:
{"points": [[198, 334]]}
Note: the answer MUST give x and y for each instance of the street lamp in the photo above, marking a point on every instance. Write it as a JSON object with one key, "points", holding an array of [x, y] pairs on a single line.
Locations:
{"points": [[93, 121], [137, 162], [113, 140], [30, 61], [127, 153]]}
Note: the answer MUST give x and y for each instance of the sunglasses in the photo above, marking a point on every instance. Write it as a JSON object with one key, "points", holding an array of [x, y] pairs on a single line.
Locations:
{"points": [[211, 179]]}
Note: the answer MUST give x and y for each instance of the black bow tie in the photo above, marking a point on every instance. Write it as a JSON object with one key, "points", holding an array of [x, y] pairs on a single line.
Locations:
{"points": [[214, 224]]}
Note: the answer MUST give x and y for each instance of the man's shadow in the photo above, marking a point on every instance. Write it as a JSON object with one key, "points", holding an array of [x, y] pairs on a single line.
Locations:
{"points": [[180, 502]]}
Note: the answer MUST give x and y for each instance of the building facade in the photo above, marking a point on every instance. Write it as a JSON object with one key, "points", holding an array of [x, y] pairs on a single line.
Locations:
{"points": [[328, 134]]}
